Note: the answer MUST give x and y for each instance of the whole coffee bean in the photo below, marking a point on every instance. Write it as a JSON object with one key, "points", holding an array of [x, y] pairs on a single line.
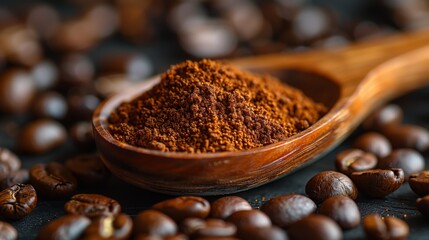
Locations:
{"points": [[184, 207], [19, 177], [408, 160], [330, 183], [408, 136], [287, 209], [81, 106], [249, 218], [263, 233], [178, 236], [66, 227], [378, 183], [109, 85], [423, 205], [17, 201], [17, 89], [419, 183], [316, 227], [76, 70], [153, 222], [376, 227], [50, 105], [45, 75], [225, 206], [7, 231], [82, 135], [342, 210], [41, 136], [135, 66], [44, 19], [374, 143], [110, 227], [197, 227], [355, 160], [52, 180], [9, 163], [88, 169], [92, 205], [388, 115]]}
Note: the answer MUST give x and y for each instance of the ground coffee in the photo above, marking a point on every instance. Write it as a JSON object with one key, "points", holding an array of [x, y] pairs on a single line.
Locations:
{"points": [[208, 106]]}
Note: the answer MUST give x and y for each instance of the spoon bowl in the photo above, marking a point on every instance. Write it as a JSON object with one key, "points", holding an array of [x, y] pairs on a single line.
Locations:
{"points": [[350, 81]]}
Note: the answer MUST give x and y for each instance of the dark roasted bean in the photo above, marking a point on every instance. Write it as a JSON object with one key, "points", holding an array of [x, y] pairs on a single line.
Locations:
{"points": [[19, 177], [409, 160], [9, 163], [342, 210], [110, 227], [263, 233], [7, 231], [197, 227], [184, 207], [153, 222], [355, 160], [423, 205], [65, 227], [82, 135], [378, 183], [379, 228], [88, 169], [315, 227], [225, 206], [92, 205], [419, 183], [408, 136], [17, 90], [388, 115], [17, 201], [249, 218], [374, 143], [330, 183], [50, 105]]}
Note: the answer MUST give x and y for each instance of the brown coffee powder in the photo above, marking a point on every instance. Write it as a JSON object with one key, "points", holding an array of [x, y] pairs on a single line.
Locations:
{"points": [[208, 106]]}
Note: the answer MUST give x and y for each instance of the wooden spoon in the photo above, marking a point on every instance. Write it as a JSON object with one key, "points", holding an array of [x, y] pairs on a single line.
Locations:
{"points": [[352, 81]]}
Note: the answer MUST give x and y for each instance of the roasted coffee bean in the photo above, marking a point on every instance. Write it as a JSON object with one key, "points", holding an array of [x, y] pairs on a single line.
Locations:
{"points": [[65, 227], [342, 210], [17, 90], [9, 163], [315, 227], [419, 183], [249, 218], [76, 71], [153, 222], [41, 136], [408, 136], [376, 227], [330, 183], [225, 206], [355, 160], [134, 66], [45, 75], [44, 19], [88, 169], [409, 160], [81, 106], [92, 205], [52, 180], [374, 143], [184, 207], [287, 209], [19, 177], [110, 227], [263, 233], [7, 231], [50, 105], [197, 227], [423, 205], [103, 19], [82, 135], [378, 183], [109, 85], [389, 115], [178, 236], [17, 201]]}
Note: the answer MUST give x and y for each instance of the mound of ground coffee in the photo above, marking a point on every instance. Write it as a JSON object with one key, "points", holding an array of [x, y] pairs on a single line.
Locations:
{"points": [[208, 106]]}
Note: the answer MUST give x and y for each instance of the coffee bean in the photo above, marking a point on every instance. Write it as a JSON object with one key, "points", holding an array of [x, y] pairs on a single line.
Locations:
{"points": [[197, 227], [17, 201], [7, 231], [419, 183], [50, 105], [92, 205], [19, 177], [81, 106], [44, 19], [315, 227], [377, 227], [263, 233], [9, 163], [287, 209], [110, 227], [41, 136], [388, 115], [310, 23], [355, 160], [82, 135], [374, 143], [184, 207], [110, 85], [17, 90], [225, 206], [52, 180], [378, 183], [45, 75], [153, 222], [76, 70], [342, 210], [409, 160], [103, 19], [408, 136], [423, 205], [249, 218], [65, 227], [330, 183], [73, 36], [88, 170], [178, 236], [133, 66]]}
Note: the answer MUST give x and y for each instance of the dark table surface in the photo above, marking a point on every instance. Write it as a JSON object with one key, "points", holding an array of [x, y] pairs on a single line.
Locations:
{"points": [[400, 204]]}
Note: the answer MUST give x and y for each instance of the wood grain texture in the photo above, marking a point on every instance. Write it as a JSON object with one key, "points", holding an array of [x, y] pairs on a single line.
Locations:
{"points": [[352, 81]]}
